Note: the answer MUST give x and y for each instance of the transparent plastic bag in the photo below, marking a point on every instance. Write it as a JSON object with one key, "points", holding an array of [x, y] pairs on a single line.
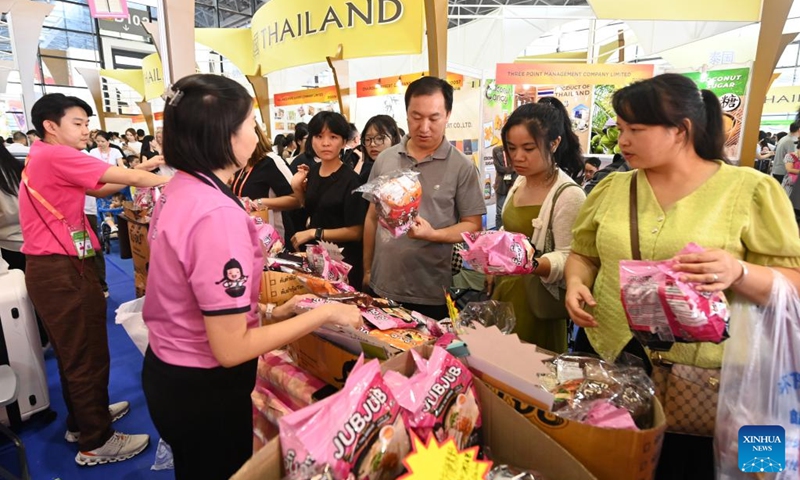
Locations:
{"points": [[397, 196], [488, 313], [760, 381], [129, 315], [164, 459]]}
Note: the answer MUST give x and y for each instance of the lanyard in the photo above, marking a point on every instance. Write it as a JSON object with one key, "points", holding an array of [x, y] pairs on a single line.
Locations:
{"points": [[47, 205], [239, 177]]}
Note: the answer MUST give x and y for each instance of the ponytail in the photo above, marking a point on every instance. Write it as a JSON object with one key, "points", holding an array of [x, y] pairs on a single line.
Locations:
{"points": [[709, 142], [568, 155]]}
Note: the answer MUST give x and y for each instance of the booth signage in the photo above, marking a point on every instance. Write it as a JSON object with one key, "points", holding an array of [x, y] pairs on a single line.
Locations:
{"points": [[288, 33], [577, 74], [314, 95], [153, 76], [108, 8], [397, 85], [131, 24], [785, 100]]}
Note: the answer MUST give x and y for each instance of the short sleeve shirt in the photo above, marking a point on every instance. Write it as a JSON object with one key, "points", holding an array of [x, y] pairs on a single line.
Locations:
{"points": [[110, 158], [415, 271], [204, 262], [61, 175], [739, 210]]}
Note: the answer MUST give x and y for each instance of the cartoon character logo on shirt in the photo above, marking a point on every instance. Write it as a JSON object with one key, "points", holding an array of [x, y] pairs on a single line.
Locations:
{"points": [[233, 279]]}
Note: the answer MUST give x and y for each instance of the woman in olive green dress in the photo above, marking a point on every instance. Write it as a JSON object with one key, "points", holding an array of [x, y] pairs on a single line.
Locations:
{"points": [[539, 141]]}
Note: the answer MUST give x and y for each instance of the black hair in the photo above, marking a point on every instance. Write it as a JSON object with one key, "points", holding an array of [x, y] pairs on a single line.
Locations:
{"points": [[140, 133], [10, 172], [670, 100], [430, 86], [794, 127], [200, 124], [384, 125], [568, 155], [53, 107], [33, 132], [106, 135], [9, 140], [593, 161], [19, 136], [130, 130], [333, 121], [300, 132], [545, 124], [147, 151], [353, 132]]}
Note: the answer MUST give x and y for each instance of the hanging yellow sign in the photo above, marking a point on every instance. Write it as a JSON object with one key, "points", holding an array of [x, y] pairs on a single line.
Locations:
{"points": [[784, 100], [288, 33], [153, 76]]}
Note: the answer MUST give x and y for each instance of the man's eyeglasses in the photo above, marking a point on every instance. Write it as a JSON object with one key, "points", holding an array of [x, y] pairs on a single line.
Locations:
{"points": [[377, 141]]}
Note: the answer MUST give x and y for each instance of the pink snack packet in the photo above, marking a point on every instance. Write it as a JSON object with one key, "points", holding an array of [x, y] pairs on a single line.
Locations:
{"points": [[439, 399], [323, 265], [269, 239], [499, 252], [662, 310], [397, 197], [358, 431], [604, 414]]}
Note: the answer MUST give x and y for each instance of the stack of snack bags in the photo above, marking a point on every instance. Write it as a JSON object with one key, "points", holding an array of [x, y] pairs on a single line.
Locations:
{"points": [[363, 431], [397, 196], [499, 253], [592, 391], [662, 310]]}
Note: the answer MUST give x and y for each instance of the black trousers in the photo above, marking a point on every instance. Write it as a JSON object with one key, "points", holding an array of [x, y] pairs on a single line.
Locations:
{"points": [[682, 456], [99, 260], [205, 415]]}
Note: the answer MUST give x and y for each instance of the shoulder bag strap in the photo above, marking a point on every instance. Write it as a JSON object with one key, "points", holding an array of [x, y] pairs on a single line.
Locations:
{"points": [[634, 216], [560, 189]]}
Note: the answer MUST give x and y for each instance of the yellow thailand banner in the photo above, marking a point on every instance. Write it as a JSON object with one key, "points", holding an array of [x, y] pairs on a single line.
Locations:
{"points": [[289, 33], [153, 76], [300, 97], [571, 74], [782, 100], [132, 78]]}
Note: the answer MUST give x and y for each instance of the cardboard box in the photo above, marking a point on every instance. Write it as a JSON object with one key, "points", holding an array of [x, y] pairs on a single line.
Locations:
{"points": [[140, 249], [279, 287], [607, 453], [322, 359], [511, 441]]}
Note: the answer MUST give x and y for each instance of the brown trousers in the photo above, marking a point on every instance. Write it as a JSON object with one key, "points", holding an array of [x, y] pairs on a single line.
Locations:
{"points": [[67, 294]]}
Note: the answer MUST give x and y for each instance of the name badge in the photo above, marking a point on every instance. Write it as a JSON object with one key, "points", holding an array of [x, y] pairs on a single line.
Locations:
{"points": [[83, 243]]}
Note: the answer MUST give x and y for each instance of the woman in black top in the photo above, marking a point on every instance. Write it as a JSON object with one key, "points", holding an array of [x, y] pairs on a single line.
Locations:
{"points": [[379, 133], [148, 150], [266, 181], [336, 213]]}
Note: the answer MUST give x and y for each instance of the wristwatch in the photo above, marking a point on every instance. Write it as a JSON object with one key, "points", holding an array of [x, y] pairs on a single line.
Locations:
{"points": [[268, 311], [318, 234]]}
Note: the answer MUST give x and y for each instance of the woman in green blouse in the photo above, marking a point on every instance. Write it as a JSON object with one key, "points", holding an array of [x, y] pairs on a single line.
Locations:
{"points": [[672, 133]]}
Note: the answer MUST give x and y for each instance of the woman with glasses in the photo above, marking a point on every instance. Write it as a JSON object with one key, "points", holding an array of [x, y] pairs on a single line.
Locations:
{"points": [[379, 133]]}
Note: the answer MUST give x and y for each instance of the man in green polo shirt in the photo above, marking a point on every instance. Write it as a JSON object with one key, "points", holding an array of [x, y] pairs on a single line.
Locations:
{"points": [[415, 268]]}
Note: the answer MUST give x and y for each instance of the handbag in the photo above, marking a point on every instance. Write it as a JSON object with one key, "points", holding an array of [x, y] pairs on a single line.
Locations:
{"points": [[541, 302], [689, 394]]}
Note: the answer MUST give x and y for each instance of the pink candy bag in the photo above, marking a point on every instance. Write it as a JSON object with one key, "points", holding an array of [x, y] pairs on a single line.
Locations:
{"points": [[662, 310], [499, 253], [439, 398], [269, 239], [325, 265], [358, 431]]}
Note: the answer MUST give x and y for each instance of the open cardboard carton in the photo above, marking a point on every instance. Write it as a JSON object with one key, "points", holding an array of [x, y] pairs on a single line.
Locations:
{"points": [[510, 439], [504, 364], [279, 287], [331, 352], [140, 250]]}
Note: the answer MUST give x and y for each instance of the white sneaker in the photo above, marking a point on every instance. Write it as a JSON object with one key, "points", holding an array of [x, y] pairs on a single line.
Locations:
{"points": [[118, 448], [117, 411]]}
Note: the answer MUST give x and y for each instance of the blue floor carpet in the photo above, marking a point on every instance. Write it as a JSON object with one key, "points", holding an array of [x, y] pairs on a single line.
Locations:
{"points": [[50, 457]]}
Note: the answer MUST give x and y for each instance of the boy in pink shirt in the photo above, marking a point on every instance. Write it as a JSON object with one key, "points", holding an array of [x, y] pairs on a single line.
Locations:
{"points": [[63, 286]]}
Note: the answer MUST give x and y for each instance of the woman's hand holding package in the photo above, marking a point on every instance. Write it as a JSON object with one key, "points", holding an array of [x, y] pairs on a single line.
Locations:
{"points": [[343, 315], [579, 295], [300, 179], [712, 270]]}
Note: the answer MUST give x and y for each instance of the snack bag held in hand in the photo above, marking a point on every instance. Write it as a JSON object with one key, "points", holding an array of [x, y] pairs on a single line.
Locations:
{"points": [[439, 398], [326, 265], [396, 196], [359, 430], [499, 253], [269, 240], [662, 310]]}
